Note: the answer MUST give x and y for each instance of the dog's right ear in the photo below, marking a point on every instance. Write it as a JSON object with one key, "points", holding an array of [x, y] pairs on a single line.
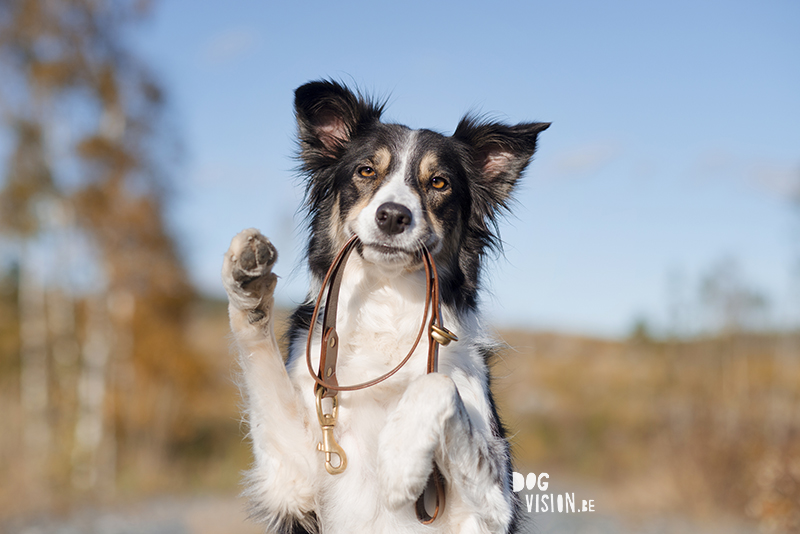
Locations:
{"points": [[329, 115]]}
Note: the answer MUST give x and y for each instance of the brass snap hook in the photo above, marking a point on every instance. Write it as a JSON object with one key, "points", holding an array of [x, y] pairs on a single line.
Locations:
{"points": [[442, 335], [327, 422]]}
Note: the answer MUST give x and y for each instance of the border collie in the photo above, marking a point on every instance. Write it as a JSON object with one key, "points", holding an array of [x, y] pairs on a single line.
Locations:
{"points": [[444, 193]]}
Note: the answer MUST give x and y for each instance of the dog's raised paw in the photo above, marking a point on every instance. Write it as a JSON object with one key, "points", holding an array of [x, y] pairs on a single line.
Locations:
{"points": [[247, 272], [254, 260]]}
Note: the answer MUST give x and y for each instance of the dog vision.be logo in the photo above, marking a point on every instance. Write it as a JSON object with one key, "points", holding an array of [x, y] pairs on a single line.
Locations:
{"points": [[547, 502]]}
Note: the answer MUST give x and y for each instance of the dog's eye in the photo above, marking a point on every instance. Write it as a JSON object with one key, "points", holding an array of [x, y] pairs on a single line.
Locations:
{"points": [[366, 171], [439, 183]]}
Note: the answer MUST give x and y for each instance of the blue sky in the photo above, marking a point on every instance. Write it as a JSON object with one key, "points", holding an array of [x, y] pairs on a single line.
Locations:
{"points": [[675, 140]]}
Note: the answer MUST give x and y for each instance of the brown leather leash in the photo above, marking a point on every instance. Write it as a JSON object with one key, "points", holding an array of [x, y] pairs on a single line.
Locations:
{"points": [[327, 385]]}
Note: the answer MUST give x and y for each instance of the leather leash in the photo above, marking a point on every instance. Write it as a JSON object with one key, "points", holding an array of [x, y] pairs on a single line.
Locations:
{"points": [[327, 385]]}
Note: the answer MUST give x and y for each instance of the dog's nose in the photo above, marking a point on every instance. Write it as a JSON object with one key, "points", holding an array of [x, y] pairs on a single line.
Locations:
{"points": [[393, 218]]}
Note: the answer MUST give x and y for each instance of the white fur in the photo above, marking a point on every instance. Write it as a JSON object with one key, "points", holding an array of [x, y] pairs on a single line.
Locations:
{"points": [[391, 432]]}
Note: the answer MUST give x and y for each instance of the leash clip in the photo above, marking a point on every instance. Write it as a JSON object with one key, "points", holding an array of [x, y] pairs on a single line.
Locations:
{"points": [[327, 422], [442, 335]]}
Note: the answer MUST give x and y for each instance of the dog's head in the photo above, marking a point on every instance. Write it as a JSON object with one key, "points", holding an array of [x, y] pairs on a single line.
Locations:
{"points": [[398, 188]]}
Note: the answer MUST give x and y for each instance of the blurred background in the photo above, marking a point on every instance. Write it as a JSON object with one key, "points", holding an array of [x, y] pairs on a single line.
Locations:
{"points": [[649, 291]]}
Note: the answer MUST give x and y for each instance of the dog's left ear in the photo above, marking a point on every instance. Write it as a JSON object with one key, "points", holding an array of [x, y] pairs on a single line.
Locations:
{"points": [[499, 153]]}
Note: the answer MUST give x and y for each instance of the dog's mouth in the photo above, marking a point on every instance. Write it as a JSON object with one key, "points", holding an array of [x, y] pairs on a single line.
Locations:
{"points": [[394, 251], [381, 253], [390, 250], [391, 254]]}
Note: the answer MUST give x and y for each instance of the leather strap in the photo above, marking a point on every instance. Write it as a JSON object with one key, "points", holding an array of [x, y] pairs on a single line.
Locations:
{"points": [[325, 377]]}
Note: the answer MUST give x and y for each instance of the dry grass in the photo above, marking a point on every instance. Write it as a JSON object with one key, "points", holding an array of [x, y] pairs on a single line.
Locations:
{"points": [[703, 428]]}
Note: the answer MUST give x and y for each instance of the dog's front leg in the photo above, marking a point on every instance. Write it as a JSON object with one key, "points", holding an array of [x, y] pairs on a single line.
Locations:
{"points": [[280, 483], [433, 423]]}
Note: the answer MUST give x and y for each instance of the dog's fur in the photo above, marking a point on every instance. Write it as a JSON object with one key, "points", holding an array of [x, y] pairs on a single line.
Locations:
{"points": [[395, 188]]}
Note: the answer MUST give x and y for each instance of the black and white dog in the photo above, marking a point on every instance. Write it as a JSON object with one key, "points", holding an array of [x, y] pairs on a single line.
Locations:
{"points": [[396, 189]]}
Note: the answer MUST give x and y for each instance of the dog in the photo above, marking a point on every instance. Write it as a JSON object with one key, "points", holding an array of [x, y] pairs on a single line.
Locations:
{"points": [[397, 189]]}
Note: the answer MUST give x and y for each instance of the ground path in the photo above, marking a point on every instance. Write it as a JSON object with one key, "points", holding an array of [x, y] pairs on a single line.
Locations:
{"points": [[225, 515]]}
